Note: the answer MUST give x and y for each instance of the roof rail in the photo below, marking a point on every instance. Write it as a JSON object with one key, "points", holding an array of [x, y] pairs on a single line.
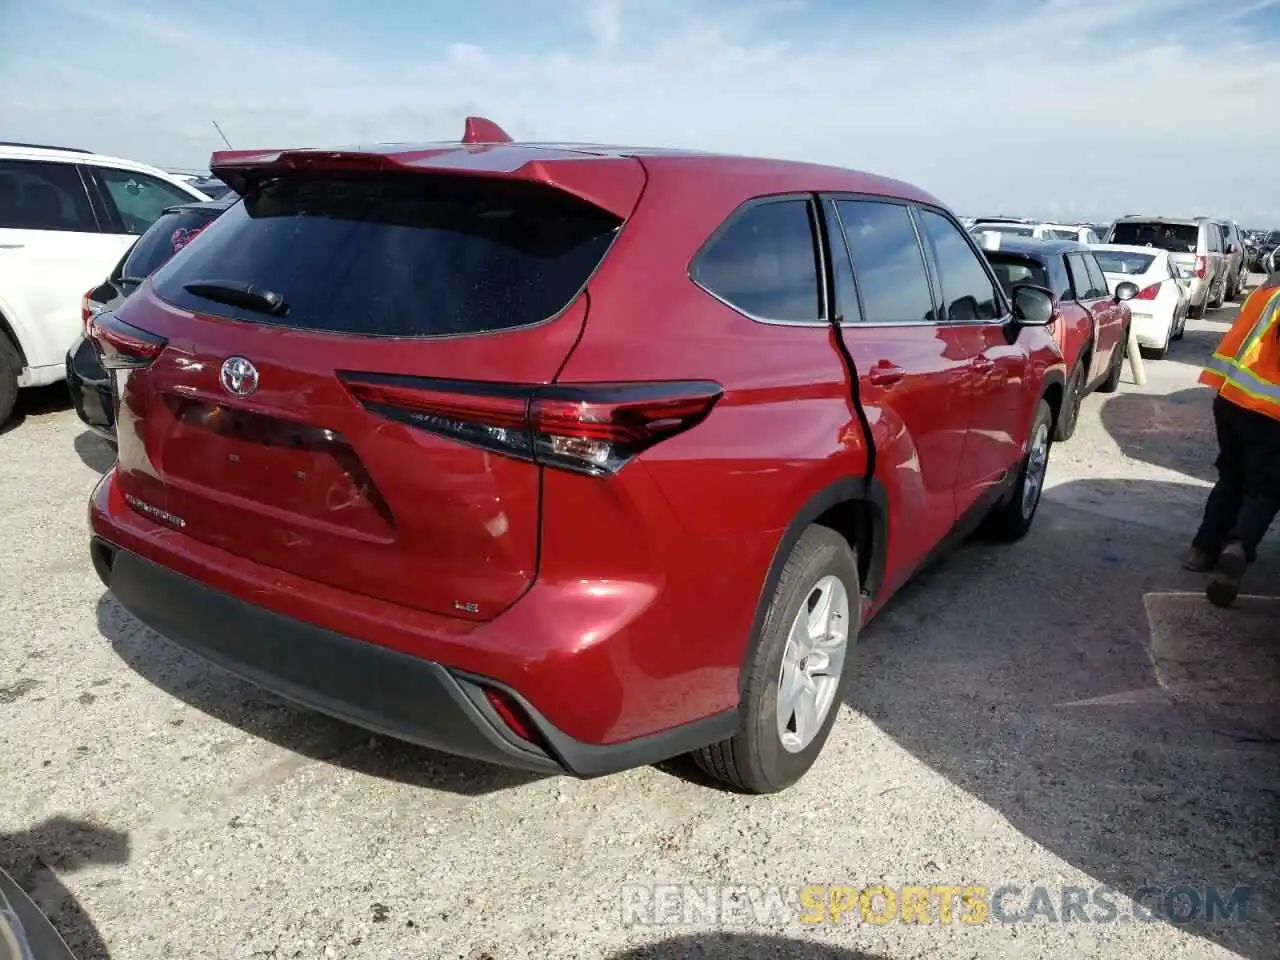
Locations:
{"points": [[42, 146]]}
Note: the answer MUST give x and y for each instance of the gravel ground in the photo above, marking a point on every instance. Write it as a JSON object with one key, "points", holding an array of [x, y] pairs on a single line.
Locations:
{"points": [[1065, 712]]}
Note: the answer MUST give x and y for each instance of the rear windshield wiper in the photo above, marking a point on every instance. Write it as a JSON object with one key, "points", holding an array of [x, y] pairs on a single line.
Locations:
{"points": [[238, 294]]}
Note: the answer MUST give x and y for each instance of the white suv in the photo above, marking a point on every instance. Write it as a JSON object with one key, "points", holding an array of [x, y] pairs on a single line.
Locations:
{"points": [[66, 218]]}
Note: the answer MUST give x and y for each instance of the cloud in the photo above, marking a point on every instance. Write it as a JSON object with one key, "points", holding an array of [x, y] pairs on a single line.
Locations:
{"points": [[1086, 107]]}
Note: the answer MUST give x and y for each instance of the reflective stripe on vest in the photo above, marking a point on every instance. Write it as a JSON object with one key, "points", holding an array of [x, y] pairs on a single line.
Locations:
{"points": [[1234, 370]]}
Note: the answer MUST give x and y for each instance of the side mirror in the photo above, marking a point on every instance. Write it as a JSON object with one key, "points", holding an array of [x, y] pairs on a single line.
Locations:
{"points": [[1032, 305], [1125, 290]]}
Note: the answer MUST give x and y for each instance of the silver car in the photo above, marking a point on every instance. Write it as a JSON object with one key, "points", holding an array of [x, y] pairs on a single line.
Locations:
{"points": [[1237, 259], [1196, 248]]}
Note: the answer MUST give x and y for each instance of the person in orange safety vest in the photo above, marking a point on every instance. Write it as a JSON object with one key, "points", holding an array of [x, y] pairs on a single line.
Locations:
{"points": [[1245, 371]]}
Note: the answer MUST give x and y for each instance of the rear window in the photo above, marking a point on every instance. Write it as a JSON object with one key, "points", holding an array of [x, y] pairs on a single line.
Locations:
{"points": [[166, 236], [1060, 233], [409, 256], [1014, 231], [1126, 263], [1010, 269], [1174, 237]]}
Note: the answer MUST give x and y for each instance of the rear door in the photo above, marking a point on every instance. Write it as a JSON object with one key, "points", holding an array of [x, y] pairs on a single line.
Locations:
{"points": [[1094, 302], [51, 253], [915, 376], [335, 432]]}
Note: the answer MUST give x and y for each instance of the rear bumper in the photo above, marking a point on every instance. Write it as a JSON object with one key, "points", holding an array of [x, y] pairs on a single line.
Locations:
{"points": [[373, 687], [1152, 329], [90, 388]]}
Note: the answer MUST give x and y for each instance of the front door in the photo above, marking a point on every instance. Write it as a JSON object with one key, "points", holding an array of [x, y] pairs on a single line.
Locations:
{"points": [[914, 376]]}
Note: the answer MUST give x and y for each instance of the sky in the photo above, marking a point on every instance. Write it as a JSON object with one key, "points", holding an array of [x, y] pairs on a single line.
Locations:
{"points": [[1068, 109]]}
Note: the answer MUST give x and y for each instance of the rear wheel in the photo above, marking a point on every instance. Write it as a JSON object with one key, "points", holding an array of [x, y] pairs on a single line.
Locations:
{"points": [[795, 676], [1112, 383], [1070, 415], [10, 368], [1011, 520]]}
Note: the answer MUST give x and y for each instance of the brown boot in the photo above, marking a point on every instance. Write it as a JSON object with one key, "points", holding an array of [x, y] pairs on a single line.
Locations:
{"points": [[1198, 561], [1225, 585]]}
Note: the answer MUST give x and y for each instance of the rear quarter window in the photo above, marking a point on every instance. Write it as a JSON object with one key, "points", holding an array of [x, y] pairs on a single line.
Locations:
{"points": [[408, 256], [169, 234]]}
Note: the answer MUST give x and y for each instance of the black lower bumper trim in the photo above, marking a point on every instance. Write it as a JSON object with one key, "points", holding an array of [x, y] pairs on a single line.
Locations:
{"points": [[382, 690]]}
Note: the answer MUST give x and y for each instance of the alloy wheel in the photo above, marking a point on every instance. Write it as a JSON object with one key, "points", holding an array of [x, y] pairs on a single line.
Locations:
{"points": [[1037, 467], [812, 663]]}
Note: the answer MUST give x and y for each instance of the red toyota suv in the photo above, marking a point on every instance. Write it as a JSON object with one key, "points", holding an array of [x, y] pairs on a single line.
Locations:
{"points": [[569, 458]]}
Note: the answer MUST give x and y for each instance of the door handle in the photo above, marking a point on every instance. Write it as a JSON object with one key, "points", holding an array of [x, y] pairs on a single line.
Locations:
{"points": [[982, 363], [885, 374]]}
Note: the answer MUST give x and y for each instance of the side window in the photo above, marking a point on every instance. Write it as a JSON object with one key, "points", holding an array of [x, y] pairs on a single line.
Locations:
{"points": [[967, 291], [44, 196], [139, 199], [847, 309], [1080, 280], [1099, 288], [765, 263], [887, 261], [1215, 239], [1059, 281]]}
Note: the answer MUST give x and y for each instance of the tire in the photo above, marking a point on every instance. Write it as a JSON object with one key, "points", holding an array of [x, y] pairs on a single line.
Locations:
{"points": [[10, 368], [1232, 292], [1222, 296], [1011, 520], [1179, 326], [1112, 383], [756, 759], [1073, 396]]}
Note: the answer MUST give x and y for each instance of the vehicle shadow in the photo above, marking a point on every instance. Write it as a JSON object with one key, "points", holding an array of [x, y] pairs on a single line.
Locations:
{"points": [[734, 946], [35, 857], [94, 451], [1114, 717], [227, 698], [36, 402], [1174, 430]]}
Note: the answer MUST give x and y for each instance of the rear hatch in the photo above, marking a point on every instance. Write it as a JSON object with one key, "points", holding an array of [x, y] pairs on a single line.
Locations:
{"points": [[259, 423]]}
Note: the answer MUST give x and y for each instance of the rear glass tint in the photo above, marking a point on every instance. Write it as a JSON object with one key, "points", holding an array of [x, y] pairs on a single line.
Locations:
{"points": [[1174, 237], [407, 256], [1131, 264], [166, 236]]}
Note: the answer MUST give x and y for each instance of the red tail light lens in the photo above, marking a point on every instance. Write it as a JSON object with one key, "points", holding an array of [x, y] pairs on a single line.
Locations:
{"points": [[124, 347], [1148, 293], [88, 307], [1202, 267], [594, 429]]}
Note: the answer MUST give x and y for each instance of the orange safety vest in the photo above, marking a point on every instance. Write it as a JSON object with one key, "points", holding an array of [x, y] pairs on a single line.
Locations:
{"points": [[1245, 368]]}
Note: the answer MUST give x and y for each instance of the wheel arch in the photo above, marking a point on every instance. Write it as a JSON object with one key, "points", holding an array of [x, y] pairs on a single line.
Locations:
{"points": [[7, 329], [1052, 391], [857, 508]]}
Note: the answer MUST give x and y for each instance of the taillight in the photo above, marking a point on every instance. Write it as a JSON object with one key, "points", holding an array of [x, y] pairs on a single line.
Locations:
{"points": [[592, 428], [88, 308], [1148, 293], [124, 346], [1202, 267]]}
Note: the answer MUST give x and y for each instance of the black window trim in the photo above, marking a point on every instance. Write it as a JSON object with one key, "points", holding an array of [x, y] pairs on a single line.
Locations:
{"points": [[102, 207], [819, 263], [834, 228]]}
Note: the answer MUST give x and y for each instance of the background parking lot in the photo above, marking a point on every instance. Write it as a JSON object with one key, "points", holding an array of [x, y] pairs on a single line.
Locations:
{"points": [[1066, 712]]}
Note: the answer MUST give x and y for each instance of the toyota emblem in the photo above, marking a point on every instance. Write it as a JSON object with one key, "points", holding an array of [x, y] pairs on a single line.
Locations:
{"points": [[239, 376]]}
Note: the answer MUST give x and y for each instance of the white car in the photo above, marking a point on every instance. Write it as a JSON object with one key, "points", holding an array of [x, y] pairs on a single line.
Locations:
{"points": [[1035, 230], [66, 218], [1159, 310]]}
